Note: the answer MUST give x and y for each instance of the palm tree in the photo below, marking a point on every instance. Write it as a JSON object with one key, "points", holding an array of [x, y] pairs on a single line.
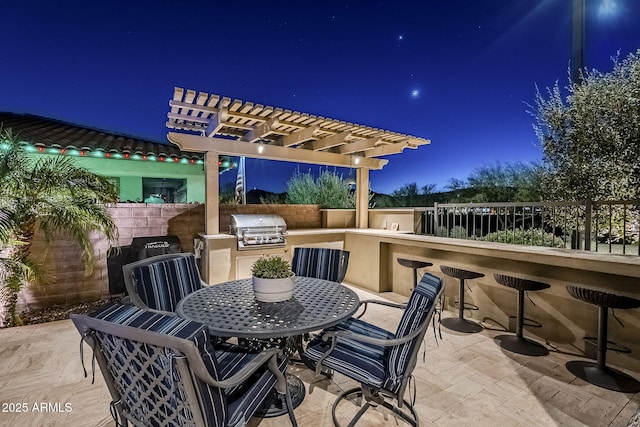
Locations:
{"points": [[54, 196]]}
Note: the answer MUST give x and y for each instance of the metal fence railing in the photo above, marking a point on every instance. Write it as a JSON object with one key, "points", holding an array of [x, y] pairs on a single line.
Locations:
{"points": [[611, 226]]}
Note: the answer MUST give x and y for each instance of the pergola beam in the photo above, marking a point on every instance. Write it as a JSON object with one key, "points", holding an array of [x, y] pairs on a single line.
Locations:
{"points": [[361, 145], [330, 141], [260, 131], [299, 137], [229, 147], [216, 122]]}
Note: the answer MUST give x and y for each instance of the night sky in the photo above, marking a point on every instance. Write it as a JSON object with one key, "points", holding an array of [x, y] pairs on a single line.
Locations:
{"points": [[458, 72]]}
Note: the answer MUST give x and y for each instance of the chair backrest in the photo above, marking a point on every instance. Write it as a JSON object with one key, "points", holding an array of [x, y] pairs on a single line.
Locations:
{"points": [[415, 319], [321, 263], [148, 359], [160, 282]]}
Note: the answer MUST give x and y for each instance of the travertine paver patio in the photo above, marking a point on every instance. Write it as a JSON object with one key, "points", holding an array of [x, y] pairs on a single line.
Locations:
{"points": [[464, 380]]}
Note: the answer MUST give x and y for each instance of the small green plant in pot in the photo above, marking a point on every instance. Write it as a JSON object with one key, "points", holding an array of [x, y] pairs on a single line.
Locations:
{"points": [[272, 279]]}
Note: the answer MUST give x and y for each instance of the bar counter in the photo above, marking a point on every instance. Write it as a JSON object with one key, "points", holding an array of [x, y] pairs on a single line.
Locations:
{"points": [[373, 266]]}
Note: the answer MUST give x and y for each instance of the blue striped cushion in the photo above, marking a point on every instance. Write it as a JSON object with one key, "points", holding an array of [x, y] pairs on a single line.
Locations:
{"points": [[321, 263], [363, 328], [212, 398], [130, 315], [244, 399], [358, 363], [417, 311], [161, 285], [361, 361]]}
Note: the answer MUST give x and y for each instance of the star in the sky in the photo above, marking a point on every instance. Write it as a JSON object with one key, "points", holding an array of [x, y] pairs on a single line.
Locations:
{"points": [[400, 37], [415, 93]]}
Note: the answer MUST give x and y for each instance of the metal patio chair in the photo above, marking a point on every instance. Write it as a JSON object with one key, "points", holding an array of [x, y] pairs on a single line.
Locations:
{"points": [[164, 371], [381, 361]]}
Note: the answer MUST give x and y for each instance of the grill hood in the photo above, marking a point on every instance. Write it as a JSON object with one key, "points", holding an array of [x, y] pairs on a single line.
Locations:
{"points": [[255, 231]]}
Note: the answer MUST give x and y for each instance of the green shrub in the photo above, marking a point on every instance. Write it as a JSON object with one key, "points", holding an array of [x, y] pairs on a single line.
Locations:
{"points": [[458, 232], [329, 190], [271, 267], [442, 231], [531, 237], [302, 189]]}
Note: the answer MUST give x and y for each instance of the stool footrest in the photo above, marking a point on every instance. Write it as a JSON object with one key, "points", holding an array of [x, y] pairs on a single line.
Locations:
{"points": [[467, 306], [613, 346], [528, 322]]}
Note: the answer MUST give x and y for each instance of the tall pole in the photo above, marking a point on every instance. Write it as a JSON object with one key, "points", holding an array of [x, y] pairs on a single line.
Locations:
{"points": [[577, 57], [241, 187]]}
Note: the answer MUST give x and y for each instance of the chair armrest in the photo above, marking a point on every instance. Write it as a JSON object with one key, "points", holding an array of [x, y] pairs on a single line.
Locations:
{"points": [[367, 339], [333, 335], [365, 303], [266, 356]]}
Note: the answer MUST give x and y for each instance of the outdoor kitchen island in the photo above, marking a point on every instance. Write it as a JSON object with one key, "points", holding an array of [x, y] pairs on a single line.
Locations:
{"points": [[373, 266]]}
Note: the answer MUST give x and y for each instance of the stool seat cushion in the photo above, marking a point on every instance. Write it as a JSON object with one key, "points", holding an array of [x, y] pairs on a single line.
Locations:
{"points": [[519, 283], [602, 298], [459, 273], [412, 263]]}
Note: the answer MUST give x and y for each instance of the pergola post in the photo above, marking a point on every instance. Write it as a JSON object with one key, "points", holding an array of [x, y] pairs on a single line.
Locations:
{"points": [[362, 198], [212, 205]]}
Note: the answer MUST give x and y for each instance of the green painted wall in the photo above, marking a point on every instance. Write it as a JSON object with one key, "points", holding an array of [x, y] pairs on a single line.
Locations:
{"points": [[130, 173], [130, 188]]}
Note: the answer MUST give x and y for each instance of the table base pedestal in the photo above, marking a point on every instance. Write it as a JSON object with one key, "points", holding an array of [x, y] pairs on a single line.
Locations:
{"points": [[274, 405]]}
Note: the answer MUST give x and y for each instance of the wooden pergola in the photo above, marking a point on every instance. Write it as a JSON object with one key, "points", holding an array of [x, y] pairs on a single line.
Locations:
{"points": [[216, 125]]}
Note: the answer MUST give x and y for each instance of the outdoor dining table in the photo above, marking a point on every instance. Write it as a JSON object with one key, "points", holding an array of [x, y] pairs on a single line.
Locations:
{"points": [[230, 309]]}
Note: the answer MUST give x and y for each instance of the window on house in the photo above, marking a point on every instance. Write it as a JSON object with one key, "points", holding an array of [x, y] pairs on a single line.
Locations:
{"points": [[164, 190]]}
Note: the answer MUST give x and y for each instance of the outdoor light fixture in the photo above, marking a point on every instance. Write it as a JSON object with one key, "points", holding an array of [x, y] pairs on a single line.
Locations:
{"points": [[111, 155], [260, 147], [356, 159]]}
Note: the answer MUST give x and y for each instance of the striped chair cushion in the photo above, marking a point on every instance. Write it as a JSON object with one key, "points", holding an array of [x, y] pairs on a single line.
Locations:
{"points": [[419, 307], [361, 361], [321, 263], [244, 399], [161, 285]]}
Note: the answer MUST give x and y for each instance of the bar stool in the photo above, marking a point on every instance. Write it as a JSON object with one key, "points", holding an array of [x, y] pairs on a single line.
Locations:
{"points": [[460, 324], [599, 373], [518, 343], [415, 265]]}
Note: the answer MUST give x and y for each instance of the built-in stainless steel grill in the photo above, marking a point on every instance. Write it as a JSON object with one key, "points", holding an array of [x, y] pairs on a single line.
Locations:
{"points": [[258, 231]]}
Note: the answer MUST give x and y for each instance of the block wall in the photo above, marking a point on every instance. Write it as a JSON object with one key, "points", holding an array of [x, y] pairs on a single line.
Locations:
{"points": [[66, 280]]}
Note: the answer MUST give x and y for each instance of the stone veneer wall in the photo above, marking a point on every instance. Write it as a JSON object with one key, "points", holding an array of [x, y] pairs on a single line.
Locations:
{"points": [[67, 282], [296, 216]]}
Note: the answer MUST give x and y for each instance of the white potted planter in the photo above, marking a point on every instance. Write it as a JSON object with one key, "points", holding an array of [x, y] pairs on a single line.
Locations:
{"points": [[272, 290], [272, 279]]}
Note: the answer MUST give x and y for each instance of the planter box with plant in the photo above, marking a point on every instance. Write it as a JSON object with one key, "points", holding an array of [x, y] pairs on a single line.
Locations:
{"points": [[272, 279]]}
